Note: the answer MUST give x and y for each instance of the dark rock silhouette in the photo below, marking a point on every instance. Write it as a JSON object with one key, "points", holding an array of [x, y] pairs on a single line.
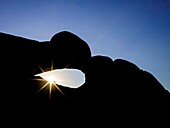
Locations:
{"points": [[113, 87]]}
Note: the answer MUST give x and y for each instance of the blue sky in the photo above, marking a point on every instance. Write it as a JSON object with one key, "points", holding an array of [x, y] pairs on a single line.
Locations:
{"points": [[135, 30]]}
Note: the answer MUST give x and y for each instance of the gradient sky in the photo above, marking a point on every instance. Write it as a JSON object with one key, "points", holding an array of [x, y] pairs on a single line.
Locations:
{"points": [[135, 30]]}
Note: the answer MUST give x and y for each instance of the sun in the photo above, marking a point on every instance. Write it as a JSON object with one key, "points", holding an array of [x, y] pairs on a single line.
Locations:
{"points": [[49, 82]]}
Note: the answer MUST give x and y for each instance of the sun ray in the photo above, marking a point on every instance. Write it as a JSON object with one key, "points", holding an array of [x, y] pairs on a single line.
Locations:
{"points": [[43, 87], [52, 65], [38, 79], [59, 89], [40, 68], [50, 89]]}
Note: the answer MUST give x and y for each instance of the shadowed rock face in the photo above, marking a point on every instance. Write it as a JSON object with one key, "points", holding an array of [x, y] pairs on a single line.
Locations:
{"points": [[113, 87]]}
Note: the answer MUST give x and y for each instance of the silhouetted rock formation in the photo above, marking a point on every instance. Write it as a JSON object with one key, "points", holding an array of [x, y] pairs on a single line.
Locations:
{"points": [[72, 51], [112, 87]]}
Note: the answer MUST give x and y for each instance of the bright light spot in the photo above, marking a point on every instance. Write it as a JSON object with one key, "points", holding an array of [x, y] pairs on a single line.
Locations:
{"points": [[50, 78], [72, 78]]}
